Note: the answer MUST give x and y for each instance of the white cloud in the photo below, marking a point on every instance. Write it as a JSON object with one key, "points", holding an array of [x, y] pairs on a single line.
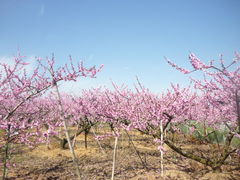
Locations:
{"points": [[84, 83], [6, 60], [42, 10], [10, 61], [32, 64], [126, 68]]}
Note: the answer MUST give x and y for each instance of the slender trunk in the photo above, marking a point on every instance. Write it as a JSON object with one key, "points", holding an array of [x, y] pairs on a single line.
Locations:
{"points": [[161, 150], [67, 131], [135, 149], [74, 138], [114, 157], [94, 133], [85, 137], [5, 161], [6, 154]]}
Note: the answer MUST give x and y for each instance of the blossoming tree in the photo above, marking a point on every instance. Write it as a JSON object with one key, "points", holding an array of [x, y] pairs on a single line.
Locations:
{"points": [[18, 97]]}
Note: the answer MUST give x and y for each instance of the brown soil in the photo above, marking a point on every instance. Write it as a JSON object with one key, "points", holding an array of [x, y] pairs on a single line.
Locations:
{"points": [[52, 163]]}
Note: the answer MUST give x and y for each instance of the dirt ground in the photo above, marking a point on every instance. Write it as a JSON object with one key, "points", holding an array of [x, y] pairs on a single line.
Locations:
{"points": [[52, 163]]}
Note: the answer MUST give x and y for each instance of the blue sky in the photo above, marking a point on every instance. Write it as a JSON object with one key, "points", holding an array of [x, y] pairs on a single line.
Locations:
{"points": [[130, 37]]}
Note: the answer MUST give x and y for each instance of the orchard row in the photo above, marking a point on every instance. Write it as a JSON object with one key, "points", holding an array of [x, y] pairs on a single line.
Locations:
{"points": [[31, 112]]}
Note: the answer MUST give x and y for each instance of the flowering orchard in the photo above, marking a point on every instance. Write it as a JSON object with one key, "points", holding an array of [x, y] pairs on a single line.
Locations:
{"points": [[208, 110], [22, 118]]}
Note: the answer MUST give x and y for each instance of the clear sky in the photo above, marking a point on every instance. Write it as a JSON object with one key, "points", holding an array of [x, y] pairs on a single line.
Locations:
{"points": [[130, 37]]}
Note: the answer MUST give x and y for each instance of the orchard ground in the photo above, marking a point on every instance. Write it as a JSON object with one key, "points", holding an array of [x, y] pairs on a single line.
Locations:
{"points": [[48, 162]]}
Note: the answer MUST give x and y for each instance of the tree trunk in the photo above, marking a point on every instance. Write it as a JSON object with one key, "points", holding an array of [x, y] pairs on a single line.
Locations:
{"points": [[86, 131], [65, 125], [63, 143], [114, 157]]}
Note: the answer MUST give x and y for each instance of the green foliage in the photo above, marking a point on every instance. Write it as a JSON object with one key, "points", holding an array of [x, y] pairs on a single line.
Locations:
{"points": [[216, 137], [211, 135], [184, 128], [236, 142]]}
